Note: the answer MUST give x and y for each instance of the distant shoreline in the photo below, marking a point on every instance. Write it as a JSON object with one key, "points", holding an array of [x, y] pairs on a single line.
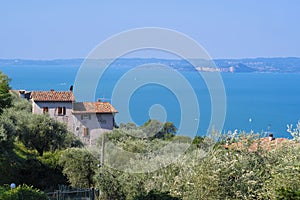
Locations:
{"points": [[243, 65]]}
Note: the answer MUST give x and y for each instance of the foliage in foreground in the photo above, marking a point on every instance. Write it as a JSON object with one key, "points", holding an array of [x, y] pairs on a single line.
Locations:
{"points": [[155, 195], [217, 174], [21, 165], [30, 145], [79, 166], [22, 192], [5, 97]]}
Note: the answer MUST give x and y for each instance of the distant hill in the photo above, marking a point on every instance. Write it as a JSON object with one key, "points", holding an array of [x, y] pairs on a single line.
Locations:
{"points": [[279, 65], [289, 64]]}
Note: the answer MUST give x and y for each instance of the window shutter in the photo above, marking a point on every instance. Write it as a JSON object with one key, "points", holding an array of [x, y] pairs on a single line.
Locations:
{"points": [[64, 111], [85, 131]]}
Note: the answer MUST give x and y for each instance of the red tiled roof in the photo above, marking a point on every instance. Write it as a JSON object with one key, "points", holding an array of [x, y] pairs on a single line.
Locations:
{"points": [[93, 107], [52, 96], [263, 143]]}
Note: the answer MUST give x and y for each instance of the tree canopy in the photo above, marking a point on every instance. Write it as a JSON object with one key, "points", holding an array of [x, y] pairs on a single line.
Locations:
{"points": [[5, 96], [79, 166], [30, 146]]}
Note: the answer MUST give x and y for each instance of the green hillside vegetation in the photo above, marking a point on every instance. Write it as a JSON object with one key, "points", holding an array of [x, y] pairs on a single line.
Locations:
{"points": [[39, 151], [30, 144], [205, 171], [30, 147], [22, 192]]}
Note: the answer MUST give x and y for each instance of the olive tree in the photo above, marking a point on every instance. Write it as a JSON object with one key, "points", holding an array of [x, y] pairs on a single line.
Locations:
{"points": [[5, 96], [79, 166], [42, 133]]}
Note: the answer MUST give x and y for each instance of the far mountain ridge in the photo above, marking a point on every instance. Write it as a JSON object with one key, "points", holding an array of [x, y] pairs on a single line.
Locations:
{"points": [[276, 64]]}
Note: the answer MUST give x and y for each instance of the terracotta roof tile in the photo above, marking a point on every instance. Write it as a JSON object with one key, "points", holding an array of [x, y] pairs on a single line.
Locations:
{"points": [[263, 143], [52, 96], [93, 107]]}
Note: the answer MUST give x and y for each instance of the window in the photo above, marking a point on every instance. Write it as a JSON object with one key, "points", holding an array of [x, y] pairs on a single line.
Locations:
{"points": [[59, 110], [45, 109], [85, 131]]}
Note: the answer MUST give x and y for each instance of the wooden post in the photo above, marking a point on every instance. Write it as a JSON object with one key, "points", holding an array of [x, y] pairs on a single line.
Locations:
{"points": [[102, 150]]}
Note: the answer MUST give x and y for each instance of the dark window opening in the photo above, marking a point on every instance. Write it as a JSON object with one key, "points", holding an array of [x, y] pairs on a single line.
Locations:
{"points": [[59, 110], [45, 109]]}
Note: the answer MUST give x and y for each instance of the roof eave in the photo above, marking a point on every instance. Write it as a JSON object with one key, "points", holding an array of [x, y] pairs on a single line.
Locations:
{"points": [[89, 112], [35, 100]]}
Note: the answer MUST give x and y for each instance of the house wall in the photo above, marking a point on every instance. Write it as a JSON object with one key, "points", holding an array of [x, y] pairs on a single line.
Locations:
{"points": [[37, 108], [96, 124]]}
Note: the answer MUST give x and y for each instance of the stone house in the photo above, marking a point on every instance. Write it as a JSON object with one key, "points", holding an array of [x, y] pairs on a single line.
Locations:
{"points": [[91, 119], [87, 120], [57, 103]]}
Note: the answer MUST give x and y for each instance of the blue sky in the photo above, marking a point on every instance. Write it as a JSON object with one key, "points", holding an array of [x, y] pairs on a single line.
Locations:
{"points": [[36, 29]]}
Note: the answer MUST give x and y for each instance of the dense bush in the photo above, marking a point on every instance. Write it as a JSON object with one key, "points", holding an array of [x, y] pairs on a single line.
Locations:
{"points": [[22, 192], [220, 173], [79, 166], [5, 96], [155, 195], [30, 145], [287, 194]]}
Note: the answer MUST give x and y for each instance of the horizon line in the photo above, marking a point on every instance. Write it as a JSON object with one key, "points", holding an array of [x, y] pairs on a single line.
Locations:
{"points": [[157, 58]]}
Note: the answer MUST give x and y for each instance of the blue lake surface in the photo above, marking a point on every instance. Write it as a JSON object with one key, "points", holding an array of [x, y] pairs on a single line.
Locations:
{"points": [[255, 101]]}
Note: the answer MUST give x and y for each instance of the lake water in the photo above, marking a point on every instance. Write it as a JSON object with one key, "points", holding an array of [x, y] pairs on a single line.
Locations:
{"points": [[255, 101]]}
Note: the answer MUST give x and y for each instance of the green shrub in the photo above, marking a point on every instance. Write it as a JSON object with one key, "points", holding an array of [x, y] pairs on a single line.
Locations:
{"points": [[2, 190], [156, 195], [285, 194], [21, 193], [241, 173]]}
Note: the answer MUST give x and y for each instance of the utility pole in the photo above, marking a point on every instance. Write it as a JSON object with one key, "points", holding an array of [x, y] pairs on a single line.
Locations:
{"points": [[102, 150]]}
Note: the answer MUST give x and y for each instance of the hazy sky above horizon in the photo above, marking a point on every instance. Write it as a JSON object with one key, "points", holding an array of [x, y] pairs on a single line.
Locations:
{"points": [[35, 29]]}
